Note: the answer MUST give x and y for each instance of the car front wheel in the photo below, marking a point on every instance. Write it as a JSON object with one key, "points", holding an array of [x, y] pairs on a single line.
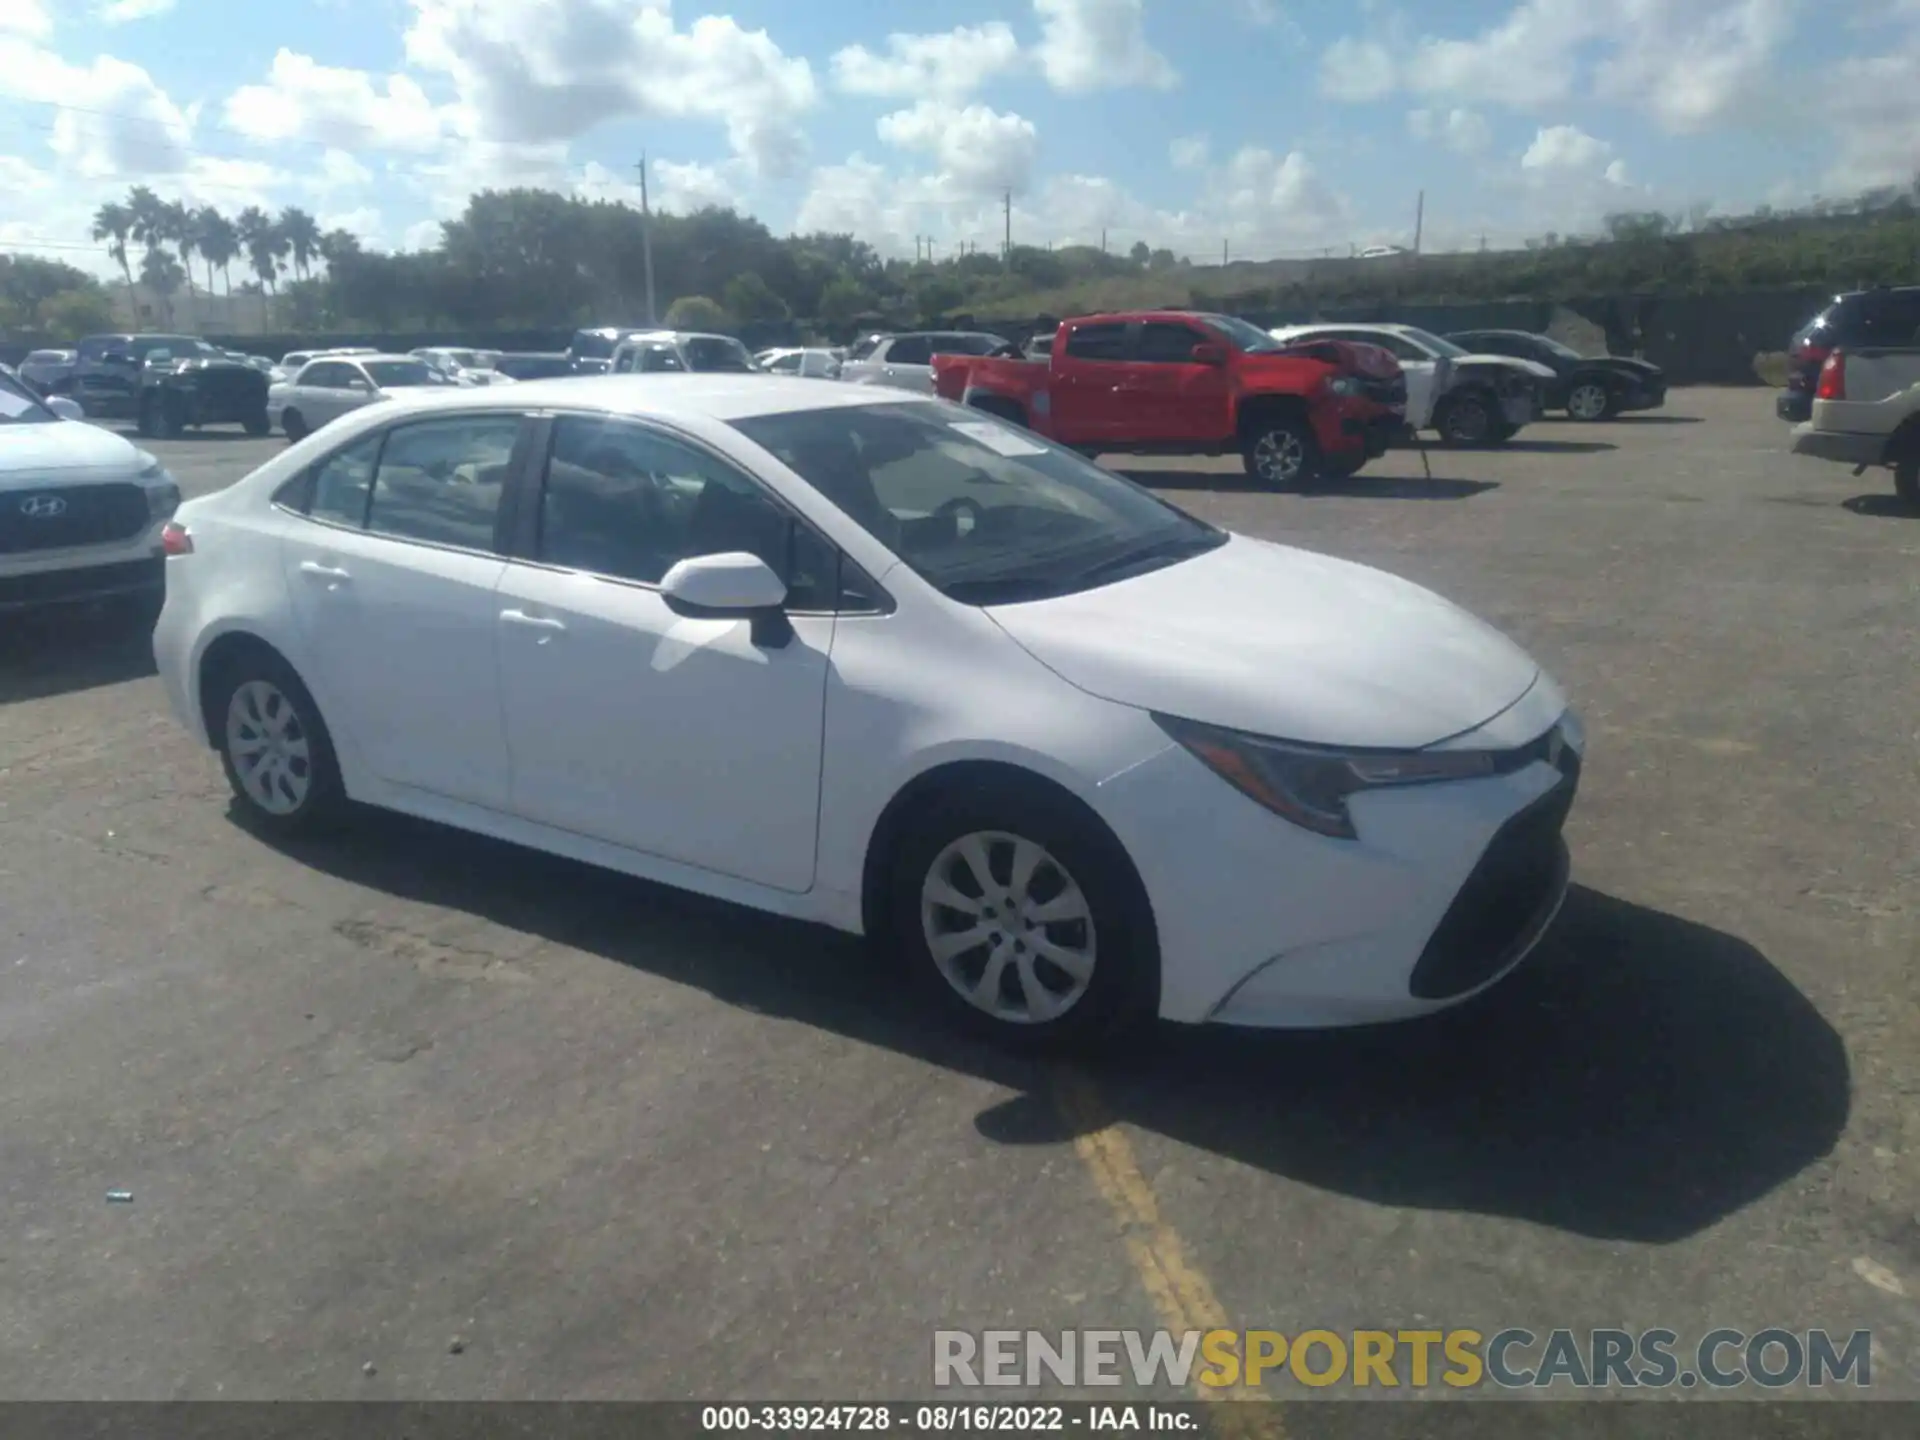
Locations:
{"points": [[1282, 454], [274, 746], [1589, 401], [1023, 920]]}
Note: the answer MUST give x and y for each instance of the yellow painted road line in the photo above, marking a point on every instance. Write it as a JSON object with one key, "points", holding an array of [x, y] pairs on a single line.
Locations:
{"points": [[1178, 1288]]}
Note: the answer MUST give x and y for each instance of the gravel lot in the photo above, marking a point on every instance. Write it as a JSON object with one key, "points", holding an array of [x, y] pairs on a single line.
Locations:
{"points": [[410, 1088]]}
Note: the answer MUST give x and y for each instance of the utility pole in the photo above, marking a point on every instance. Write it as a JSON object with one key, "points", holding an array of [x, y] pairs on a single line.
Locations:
{"points": [[1419, 220], [1103, 239], [646, 239], [1223, 251], [1008, 242]]}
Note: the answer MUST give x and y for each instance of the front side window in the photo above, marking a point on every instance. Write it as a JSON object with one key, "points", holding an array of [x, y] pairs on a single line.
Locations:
{"points": [[628, 502], [717, 353], [325, 375], [1163, 343], [986, 513], [402, 374], [657, 359], [440, 481], [910, 350]]}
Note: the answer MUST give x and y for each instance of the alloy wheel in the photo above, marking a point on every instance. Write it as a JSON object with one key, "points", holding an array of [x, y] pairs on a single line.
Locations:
{"points": [[271, 752], [1279, 456], [1468, 421], [1587, 402], [1009, 929]]}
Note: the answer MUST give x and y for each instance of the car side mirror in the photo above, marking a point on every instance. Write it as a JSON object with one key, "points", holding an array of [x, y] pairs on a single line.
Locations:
{"points": [[66, 409], [1207, 353], [734, 585]]}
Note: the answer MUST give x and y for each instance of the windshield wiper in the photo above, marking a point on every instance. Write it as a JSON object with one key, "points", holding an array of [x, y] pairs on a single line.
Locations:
{"points": [[1146, 557], [1000, 590]]}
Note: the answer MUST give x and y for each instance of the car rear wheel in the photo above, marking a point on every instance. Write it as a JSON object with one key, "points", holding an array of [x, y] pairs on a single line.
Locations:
{"points": [[274, 746], [1590, 400], [1023, 920], [1282, 453]]}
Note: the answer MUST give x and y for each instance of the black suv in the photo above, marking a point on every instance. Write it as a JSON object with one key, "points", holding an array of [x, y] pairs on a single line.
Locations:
{"points": [[1889, 315], [1587, 387], [167, 383]]}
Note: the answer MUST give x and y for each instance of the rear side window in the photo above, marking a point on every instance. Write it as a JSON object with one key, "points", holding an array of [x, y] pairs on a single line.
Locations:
{"points": [[910, 350], [864, 349], [1097, 342], [341, 481], [1890, 319], [441, 481]]}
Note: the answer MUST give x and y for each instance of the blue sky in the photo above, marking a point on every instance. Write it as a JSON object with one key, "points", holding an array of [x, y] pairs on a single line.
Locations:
{"points": [[1272, 127]]}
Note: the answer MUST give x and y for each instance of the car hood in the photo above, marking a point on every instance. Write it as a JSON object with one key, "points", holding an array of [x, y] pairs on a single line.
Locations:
{"points": [[1510, 362], [1281, 642], [28, 451]]}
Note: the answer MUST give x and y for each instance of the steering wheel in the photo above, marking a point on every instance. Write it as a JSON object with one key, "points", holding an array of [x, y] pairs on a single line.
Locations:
{"points": [[959, 507]]}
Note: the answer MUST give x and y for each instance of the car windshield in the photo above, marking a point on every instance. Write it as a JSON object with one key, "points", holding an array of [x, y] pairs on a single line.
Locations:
{"points": [[1240, 333], [985, 513], [1555, 347], [19, 406], [400, 374], [1433, 343], [592, 345], [715, 353]]}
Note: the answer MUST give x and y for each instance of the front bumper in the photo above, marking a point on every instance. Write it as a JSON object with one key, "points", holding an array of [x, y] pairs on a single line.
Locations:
{"points": [[1265, 924], [1361, 429], [1649, 397], [78, 584], [1793, 405], [1845, 447]]}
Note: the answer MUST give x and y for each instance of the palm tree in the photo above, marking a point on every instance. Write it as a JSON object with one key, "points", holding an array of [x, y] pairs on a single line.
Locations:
{"points": [[261, 240], [301, 232], [184, 230], [337, 247], [219, 244], [113, 223], [162, 274], [149, 214]]}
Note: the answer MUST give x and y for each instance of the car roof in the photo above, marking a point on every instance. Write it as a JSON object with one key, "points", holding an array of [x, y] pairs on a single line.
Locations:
{"points": [[714, 396]]}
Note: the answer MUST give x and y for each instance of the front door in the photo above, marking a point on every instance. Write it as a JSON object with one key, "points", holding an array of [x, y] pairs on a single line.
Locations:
{"points": [[1086, 391], [678, 737], [393, 592], [1173, 400]]}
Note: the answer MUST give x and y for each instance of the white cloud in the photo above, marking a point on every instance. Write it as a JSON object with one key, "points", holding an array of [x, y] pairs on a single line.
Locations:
{"points": [[1689, 63], [1463, 131], [1088, 45], [539, 71], [30, 18], [1872, 106], [121, 12], [951, 65], [305, 100], [978, 151], [1564, 147], [114, 121], [1189, 152], [1357, 70], [341, 171], [689, 187]]}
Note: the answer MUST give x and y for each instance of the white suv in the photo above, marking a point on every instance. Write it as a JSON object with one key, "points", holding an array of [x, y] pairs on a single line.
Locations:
{"points": [[906, 361], [653, 352], [80, 508]]}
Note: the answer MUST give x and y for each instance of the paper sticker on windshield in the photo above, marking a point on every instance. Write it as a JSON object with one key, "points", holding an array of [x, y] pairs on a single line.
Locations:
{"points": [[997, 438]]}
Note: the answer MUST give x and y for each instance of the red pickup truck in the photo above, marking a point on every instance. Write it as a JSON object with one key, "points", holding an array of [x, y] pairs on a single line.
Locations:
{"points": [[1176, 382]]}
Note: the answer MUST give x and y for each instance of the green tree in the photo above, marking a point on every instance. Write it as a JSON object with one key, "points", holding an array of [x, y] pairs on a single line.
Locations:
{"points": [[1141, 253], [747, 297], [301, 233], [843, 302], [261, 241], [182, 229], [162, 274], [696, 312], [73, 313], [113, 223], [219, 245]]}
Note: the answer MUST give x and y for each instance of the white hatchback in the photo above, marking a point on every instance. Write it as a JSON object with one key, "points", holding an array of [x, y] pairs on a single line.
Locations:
{"points": [[880, 662]]}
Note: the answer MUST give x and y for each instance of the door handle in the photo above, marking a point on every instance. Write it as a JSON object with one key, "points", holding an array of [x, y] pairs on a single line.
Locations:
{"points": [[323, 572], [531, 622]]}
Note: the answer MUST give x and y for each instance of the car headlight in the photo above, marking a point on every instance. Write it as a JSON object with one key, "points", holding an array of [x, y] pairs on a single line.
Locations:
{"points": [[1311, 784], [1343, 385], [163, 495]]}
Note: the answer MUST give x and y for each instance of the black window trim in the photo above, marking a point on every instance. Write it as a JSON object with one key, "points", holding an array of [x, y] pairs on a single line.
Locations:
{"points": [[520, 540], [301, 484]]}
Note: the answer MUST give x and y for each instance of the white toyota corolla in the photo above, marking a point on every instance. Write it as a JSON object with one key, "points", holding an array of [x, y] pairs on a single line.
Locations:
{"points": [[880, 662]]}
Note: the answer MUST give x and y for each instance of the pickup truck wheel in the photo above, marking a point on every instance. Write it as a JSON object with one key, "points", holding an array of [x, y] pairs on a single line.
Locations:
{"points": [[1906, 480], [147, 418], [1282, 454]]}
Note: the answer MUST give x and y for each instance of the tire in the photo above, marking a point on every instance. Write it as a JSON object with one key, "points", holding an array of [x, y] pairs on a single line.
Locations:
{"points": [[1113, 931], [169, 422], [147, 420], [1502, 433], [295, 424], [1465, 419], [257, 424], [1282, 453], [245, 702], [1591, 401], [1906, 479]]}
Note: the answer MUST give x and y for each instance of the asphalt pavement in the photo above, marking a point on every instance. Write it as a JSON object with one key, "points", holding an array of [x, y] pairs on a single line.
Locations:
{"points": [[413, 1114]]}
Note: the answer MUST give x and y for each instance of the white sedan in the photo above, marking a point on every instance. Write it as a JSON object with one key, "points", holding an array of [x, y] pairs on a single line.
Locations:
{"points": [[80, 508], [879, 662], [328, 386]]}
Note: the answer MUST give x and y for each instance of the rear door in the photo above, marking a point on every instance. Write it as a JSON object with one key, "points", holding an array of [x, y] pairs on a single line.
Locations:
{"points": [[392, 580], [320, 393], [1089, 375], [1173, 400], [906, 363]]}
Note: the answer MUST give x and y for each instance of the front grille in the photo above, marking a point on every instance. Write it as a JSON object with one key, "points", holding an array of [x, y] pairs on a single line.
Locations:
{"points": [[59, 517], [231, 391], [1504, 899], [1385, 392], [88, 582]]}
